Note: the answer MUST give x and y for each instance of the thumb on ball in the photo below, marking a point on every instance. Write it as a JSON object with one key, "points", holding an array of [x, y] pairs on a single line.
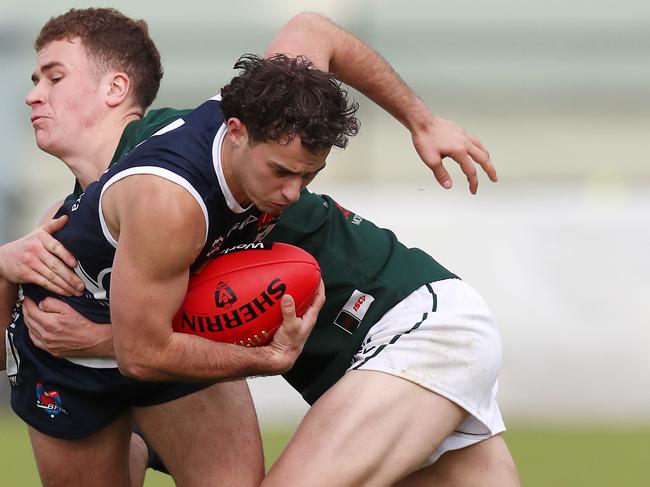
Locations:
{"points": [[287, 305]]}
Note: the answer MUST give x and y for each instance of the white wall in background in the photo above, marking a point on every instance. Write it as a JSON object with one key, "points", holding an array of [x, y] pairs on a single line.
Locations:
{"points": [[566, 272]]}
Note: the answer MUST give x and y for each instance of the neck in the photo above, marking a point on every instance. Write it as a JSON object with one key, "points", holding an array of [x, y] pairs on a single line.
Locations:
{"points": [[90, 161], [227, 156]]}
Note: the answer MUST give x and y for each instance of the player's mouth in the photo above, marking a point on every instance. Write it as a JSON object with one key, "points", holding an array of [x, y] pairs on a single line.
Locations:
{"points": [[36, 118]]}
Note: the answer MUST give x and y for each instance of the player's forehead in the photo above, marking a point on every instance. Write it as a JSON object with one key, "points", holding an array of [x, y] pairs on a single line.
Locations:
{"points": [[292, 156], [64, 53]]}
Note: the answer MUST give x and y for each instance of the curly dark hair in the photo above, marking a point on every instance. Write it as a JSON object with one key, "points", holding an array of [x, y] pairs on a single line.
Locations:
{"points": [[281, 97], [113, 41]]}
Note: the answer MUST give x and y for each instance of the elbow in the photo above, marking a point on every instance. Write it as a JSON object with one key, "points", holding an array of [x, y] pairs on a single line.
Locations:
{"points": [[309, 17], [311, 23], [131, 366], [131, 370]]}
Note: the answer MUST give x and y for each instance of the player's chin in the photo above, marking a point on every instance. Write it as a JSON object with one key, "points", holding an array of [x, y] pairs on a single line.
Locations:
{"points": [[43, 143], [40, 138]]}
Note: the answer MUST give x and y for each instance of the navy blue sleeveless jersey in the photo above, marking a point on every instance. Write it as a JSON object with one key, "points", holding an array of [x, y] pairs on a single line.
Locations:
{"points": [[187, 152], [365, 268], [76, 397]]}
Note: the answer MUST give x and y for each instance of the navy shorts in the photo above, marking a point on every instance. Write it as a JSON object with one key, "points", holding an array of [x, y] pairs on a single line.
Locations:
{"points": [[69, 401]]}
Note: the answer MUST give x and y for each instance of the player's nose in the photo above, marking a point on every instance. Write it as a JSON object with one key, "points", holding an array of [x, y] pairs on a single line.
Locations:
{"points": [[35, 95], [291, 190]]}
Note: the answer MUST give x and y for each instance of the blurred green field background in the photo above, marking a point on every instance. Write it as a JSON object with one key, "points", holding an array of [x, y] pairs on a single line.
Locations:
{"points": [[558, 456]]}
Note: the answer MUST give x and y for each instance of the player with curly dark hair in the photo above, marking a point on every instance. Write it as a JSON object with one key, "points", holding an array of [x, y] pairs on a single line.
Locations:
{"points": [[270, 98], [203, 181]]}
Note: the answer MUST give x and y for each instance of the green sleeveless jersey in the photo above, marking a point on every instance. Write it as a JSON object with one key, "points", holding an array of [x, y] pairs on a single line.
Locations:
{"points": [[366, 270], [138, 131]]}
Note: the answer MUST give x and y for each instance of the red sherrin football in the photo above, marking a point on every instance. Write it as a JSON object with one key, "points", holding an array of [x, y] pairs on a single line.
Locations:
{"points": [[236, 297]]}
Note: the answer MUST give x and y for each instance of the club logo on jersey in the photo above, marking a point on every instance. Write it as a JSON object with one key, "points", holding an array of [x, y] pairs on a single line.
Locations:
{"points": [[224, 296], [353, 312], [266, 219], [48, 401], [345, 211], [356, 219], [265, 224]]}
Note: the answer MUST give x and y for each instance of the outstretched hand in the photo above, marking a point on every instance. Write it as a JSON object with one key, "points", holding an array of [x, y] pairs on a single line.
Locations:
{"points": [[443, 138], [290, 338], [39, 258]]}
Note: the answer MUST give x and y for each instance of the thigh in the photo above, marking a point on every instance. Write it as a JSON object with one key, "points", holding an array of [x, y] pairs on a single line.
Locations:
{"points": [[443, 338], [369, 429], [101, 459], [484, 464], [210, 434]]}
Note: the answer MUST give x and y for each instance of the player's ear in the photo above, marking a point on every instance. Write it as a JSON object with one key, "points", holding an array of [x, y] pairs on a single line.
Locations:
{"points": [[237, 132], [118, 87]]}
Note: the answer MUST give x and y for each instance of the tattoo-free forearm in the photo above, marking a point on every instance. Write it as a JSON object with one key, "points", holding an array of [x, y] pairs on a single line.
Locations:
{"points": [[334, 49]]}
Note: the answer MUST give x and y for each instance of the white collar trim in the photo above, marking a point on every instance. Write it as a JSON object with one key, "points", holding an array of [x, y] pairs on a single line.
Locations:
{"points": [[218, 169]]}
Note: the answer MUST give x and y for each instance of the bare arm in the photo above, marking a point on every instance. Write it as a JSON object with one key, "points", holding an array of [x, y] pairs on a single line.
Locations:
{"points": [[37, 258], [148, 284], [53, 325], [334, 49]]}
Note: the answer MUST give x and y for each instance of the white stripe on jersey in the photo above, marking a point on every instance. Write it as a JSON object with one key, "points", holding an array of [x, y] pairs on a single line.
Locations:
{"points": [[155, 171], [232, 203]]}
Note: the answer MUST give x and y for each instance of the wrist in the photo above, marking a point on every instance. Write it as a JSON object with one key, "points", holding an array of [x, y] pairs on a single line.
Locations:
{"points": [[103, 341], [280, 361], [420, 119]]}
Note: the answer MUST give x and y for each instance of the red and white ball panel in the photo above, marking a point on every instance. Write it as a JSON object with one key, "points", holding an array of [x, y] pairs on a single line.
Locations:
{"points": [[235, 298]]}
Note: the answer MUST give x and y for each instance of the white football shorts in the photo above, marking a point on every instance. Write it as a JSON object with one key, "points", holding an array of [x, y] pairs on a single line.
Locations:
{"points": [[443, 337]]}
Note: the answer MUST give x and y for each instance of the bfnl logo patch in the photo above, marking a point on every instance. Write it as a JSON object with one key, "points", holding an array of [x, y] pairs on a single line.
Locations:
{"points": [[48, 401], [224, 296]]}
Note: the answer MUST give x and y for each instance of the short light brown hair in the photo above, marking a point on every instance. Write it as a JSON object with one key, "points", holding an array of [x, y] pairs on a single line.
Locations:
{"points": [[114, 41]]}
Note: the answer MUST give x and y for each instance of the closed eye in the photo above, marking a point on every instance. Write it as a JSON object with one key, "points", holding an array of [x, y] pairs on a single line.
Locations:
{"points": [[283, 173]]}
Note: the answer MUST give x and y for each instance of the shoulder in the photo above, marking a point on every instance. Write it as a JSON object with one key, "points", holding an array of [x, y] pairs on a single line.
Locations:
{"points": [[154, 120], [168, 209]]}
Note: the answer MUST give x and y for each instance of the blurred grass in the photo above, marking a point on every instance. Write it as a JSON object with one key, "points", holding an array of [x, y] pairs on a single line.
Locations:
{"points": [[576, 456], [553, 455]]}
